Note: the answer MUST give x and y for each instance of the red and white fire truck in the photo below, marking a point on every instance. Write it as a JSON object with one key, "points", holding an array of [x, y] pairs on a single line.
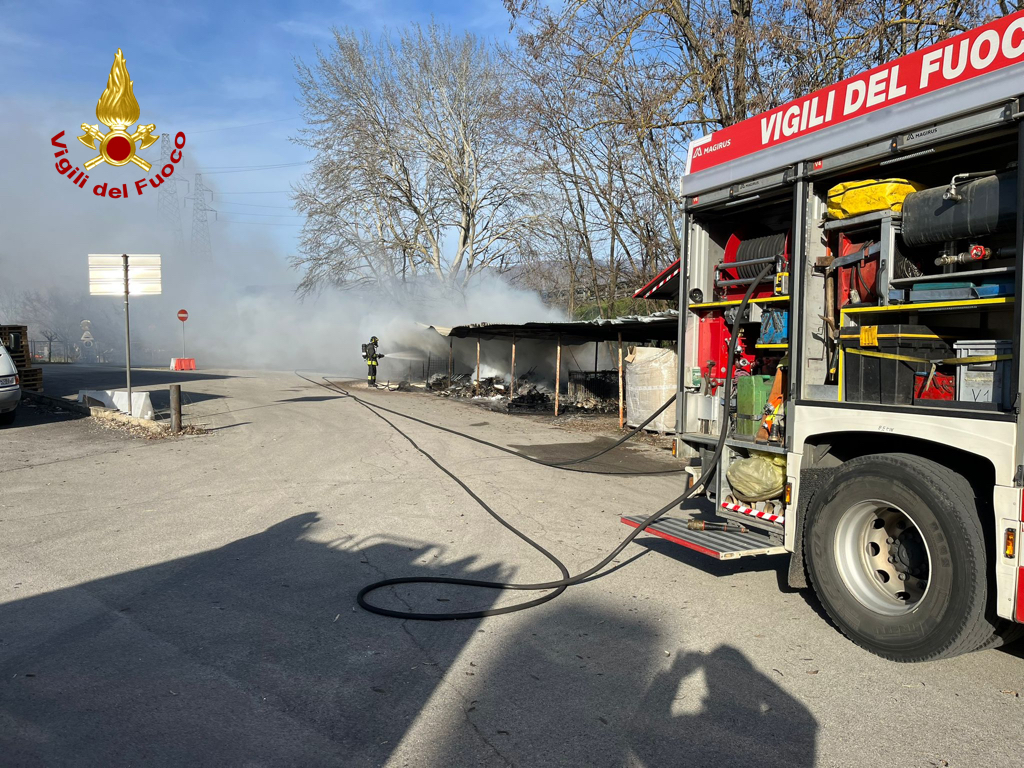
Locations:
{"points": [[876, 429]]}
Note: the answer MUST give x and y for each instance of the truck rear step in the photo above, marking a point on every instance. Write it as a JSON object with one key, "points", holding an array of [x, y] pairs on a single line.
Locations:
{"points": [[721, 545]]}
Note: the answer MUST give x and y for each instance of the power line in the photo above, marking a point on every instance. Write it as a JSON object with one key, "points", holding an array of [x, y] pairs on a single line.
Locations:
{"points": [[258, 223], [250, 168], [247, 125], [264, 192], [271, 215], [253, 205], [259, 165]]}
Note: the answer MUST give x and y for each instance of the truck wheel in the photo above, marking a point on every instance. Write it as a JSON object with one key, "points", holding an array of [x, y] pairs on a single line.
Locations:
{"points": [[1005, 634], [896, 554], [8, 418]]}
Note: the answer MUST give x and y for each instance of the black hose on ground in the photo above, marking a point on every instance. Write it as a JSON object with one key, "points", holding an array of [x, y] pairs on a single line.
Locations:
{"points": [[566, 581], [553, 464]]}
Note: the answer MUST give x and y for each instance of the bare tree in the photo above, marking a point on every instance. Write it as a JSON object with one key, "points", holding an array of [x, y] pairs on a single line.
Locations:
{"points": [[419, 169], [600, 129], [724, 60], [620, 87]]}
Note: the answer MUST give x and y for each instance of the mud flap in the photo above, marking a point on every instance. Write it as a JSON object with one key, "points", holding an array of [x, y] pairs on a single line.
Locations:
{"points": [[811, 481]]}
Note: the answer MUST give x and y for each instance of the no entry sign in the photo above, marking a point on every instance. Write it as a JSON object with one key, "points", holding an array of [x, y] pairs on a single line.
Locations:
{"points": [[182, 315]]}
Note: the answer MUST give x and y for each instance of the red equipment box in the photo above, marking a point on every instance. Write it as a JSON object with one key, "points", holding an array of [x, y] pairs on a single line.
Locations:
{"points": [[941, 387]]}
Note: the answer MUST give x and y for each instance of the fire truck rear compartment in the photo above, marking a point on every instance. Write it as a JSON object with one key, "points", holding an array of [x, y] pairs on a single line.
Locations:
{"points": [[942, 268]]}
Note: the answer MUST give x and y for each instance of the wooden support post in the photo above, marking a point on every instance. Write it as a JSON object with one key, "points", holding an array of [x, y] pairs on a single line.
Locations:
{"points": [[175, 408], [622, 411], [597, 348], [558, 372], [512, 378], [451, 361], [478, 366]]}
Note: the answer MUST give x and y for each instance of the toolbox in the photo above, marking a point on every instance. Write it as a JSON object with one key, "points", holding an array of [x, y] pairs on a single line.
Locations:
{"points": [[880, 362], [935, 386], [987, 381]]}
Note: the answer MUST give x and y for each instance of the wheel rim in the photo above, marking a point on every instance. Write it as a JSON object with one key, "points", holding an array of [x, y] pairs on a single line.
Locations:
{"points": [[882, 557]]}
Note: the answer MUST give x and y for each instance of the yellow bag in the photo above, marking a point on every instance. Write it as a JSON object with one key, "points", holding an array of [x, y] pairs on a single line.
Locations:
{"points": [[853, 198], [761, 477]]}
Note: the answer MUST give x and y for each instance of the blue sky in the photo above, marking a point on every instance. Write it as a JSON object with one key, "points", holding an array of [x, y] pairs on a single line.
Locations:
{"points": [[200, 68]]}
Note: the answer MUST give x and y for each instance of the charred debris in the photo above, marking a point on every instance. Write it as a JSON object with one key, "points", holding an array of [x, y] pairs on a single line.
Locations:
{"points": [[557, 358]]}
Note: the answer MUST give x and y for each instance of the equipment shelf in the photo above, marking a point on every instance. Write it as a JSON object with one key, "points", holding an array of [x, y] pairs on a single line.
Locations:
{"points": [[733, 442], [859, 222], [966, 274], [933, 306], [710, 305]]}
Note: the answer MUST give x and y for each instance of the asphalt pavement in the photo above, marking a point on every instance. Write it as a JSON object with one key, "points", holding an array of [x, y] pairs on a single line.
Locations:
{"points": [[191, 601]]}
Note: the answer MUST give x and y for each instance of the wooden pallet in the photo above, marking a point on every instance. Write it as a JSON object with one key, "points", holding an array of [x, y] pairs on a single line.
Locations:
{"points": [[6, 331], [20, 357], [31, 379]]}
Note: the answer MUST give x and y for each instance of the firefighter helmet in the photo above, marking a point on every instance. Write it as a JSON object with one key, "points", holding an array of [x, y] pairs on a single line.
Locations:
{"points": [[374, 340]]}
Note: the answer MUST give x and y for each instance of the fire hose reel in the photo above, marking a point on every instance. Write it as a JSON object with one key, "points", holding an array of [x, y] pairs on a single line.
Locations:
{"points": [[743, 260]]}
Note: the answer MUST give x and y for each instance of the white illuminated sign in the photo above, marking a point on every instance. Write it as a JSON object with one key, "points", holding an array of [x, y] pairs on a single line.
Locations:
{"points": [[106, 274]]}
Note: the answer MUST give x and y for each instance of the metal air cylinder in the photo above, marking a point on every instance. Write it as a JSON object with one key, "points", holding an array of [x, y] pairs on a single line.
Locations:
{"points": [[986, 206]]}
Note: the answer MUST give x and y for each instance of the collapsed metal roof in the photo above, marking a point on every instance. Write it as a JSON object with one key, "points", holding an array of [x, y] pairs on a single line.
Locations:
{"points": [[660, 326]]}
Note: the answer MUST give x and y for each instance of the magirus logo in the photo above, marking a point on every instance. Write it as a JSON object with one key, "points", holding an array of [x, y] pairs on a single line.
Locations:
{"points": [[118, 110]]}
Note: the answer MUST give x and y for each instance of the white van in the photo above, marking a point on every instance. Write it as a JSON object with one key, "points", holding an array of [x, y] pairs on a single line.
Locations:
{"points": [[10, 391]]}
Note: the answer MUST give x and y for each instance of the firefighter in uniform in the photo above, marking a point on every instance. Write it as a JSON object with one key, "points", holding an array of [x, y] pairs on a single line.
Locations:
{"points": [[372, 356]]}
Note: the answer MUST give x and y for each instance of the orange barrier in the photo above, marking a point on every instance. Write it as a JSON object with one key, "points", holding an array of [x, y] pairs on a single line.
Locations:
{"points": [[183, 363]]}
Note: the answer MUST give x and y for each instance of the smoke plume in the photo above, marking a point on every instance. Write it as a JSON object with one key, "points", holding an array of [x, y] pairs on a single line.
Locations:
{"points": [[243, 310]]}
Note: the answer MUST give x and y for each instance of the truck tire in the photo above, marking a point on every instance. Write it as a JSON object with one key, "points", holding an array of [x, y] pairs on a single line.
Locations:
{"points": [[896, 554], [1006, 633], [8, 418]]}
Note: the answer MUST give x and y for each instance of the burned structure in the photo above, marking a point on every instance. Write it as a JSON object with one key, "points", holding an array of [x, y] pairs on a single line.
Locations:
{"points": [[575, 386]]}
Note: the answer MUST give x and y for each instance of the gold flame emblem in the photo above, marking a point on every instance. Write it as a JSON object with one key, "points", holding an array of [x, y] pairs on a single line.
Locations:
{"points": [[117, 109]]}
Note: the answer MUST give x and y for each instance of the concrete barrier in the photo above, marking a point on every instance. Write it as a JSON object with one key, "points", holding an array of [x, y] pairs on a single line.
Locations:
{"points": [[103, 414], [141, 405]]}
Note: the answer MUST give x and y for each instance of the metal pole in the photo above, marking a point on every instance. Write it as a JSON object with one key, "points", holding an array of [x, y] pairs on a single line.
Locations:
{"points": [[478, 366], [558, 372], [127, 336], [451, 361], [1018, 313], [176, 408], [622, 406], [597, 348], [183, 339], [683, 302], [512, 381]]}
